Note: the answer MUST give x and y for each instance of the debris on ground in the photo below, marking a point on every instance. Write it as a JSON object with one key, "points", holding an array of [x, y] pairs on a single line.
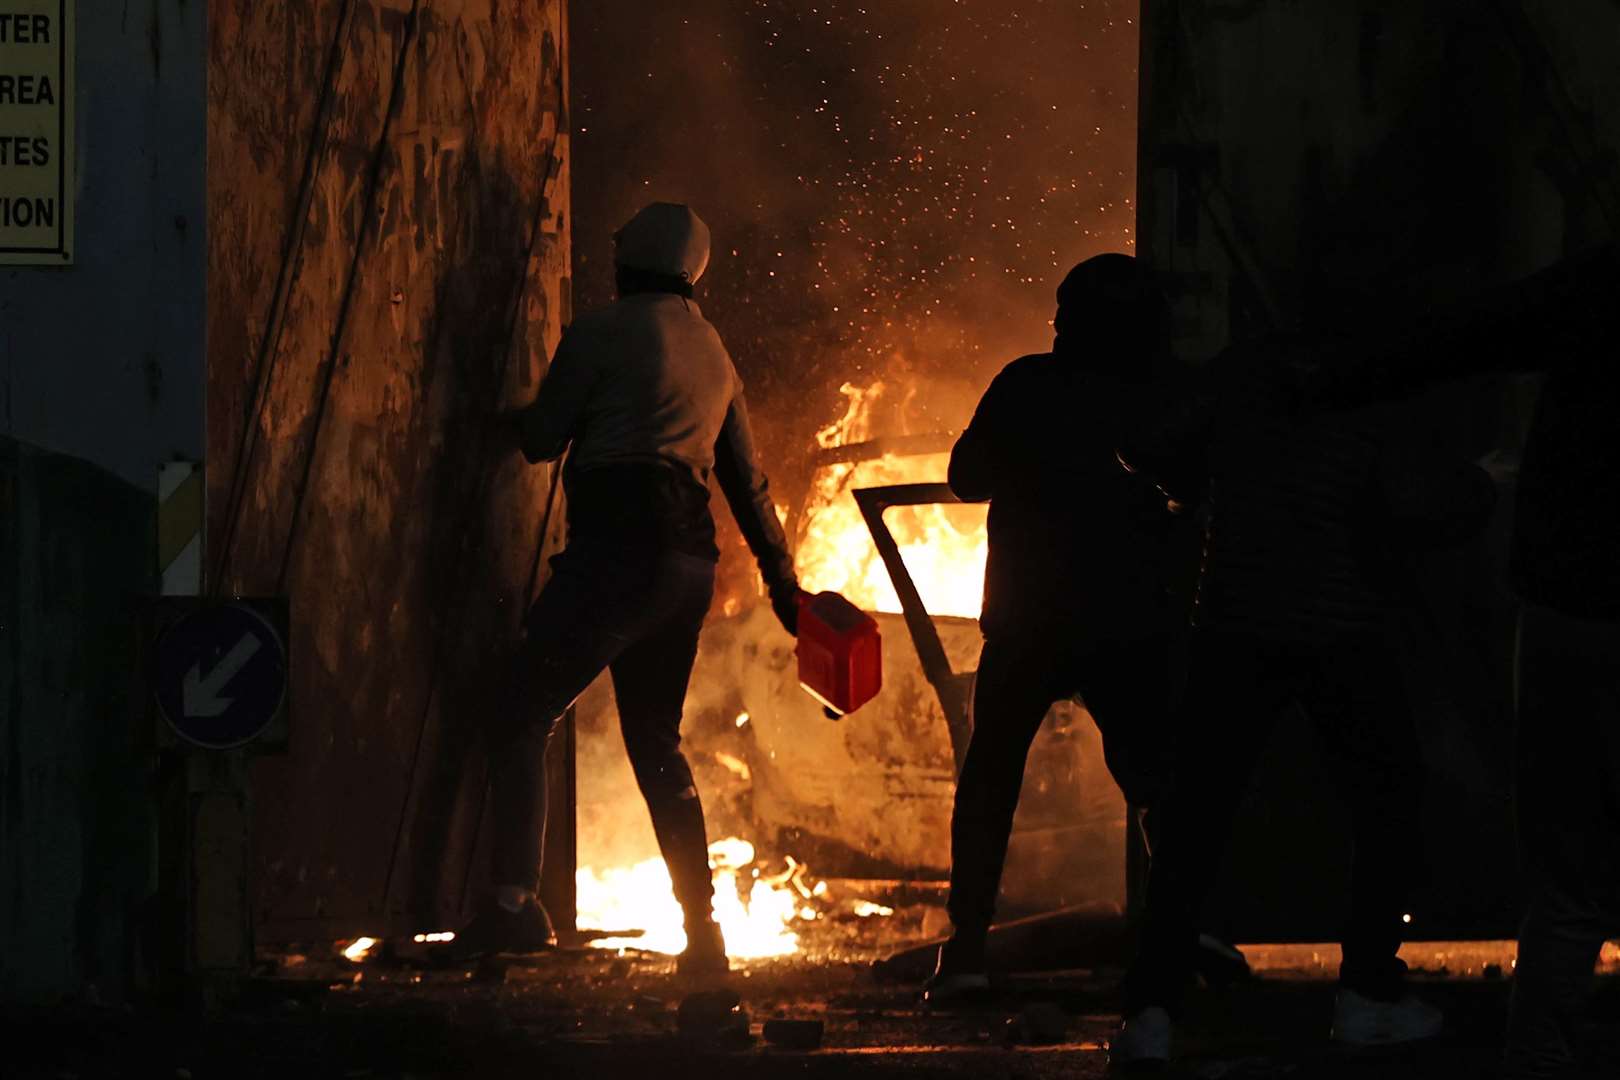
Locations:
{"points": [[1039, 1023], [714, 1018], [794, 1034]]}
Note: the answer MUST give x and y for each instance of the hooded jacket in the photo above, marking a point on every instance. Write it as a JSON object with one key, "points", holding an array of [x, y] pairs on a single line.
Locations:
{"points": [[647, 397], [1077, 545]]}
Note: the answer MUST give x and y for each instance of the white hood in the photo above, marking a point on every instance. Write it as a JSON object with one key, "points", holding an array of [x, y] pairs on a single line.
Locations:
{"points": [[664, 238]]}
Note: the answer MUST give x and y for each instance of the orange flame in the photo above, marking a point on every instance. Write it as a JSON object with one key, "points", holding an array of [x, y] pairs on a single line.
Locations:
{"points": [[943, 546], [359, 949], [757, 921]]}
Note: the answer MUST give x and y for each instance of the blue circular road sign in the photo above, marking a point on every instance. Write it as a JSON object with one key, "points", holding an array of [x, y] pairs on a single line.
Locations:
{"points": [[221, 675]]}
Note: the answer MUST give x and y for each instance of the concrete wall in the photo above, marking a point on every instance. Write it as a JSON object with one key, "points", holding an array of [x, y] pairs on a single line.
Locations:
{"points": [[1328, 165], [425, 287], [101, 380]]}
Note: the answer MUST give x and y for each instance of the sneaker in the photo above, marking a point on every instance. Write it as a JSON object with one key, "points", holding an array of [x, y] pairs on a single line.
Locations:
{"points": [[705, 953], [959, 973], [1359, 1020], [497, 930], [1142, 1041]]}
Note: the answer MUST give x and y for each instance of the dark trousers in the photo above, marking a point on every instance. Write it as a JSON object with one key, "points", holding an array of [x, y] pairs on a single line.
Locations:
{"points": [[1125, 687], [637, 614], [1569, 830], [1237, 688]]}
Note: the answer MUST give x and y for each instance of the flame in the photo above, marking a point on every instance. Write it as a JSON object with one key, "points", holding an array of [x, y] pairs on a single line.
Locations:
{"points": [[866, 909], [359, 948], [738, 767], [755, 913], [943, 546]]}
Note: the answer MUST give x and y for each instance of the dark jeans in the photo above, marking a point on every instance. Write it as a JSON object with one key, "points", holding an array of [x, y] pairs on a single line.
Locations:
{"points": [[1237, 687], [1569, 830], [1125, 687], [637, 614]]}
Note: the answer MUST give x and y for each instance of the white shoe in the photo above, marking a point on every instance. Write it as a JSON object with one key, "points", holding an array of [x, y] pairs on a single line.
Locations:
{"points": [[1361, 1021], [1143, 1040]]}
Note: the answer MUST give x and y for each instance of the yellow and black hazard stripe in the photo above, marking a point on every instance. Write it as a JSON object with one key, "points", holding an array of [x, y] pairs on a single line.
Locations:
{"points": [[180, 528]]}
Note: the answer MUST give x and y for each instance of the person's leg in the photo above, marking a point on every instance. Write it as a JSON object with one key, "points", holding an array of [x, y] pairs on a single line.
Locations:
{"points": [[1130, 689], [1127, 689], [1235, 688], [1358, 703], [588, 612], [1569, 832], [649, 680], [1012, 692]]}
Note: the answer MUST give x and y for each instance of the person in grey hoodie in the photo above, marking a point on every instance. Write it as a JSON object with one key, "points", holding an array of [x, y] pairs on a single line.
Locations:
{"points": [[644, 400]]}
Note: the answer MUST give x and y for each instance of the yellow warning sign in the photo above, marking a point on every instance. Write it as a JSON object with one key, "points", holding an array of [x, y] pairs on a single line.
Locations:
{"points": [[36, 132]]}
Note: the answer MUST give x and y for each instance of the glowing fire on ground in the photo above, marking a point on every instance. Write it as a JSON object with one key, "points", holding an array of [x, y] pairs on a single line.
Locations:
{"points": [[757, 912], [358, 949], [943, 545]]}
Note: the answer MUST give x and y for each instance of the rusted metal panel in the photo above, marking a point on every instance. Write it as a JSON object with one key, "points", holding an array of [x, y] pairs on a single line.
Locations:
{"points": [[423, 291]]}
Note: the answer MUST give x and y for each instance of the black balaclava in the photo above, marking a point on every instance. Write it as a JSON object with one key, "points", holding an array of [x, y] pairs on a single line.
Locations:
{"points": [[1110, 309], [631, 280]]}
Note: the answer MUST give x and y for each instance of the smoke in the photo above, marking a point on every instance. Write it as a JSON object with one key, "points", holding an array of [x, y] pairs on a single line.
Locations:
{"points": [[895, 188]]}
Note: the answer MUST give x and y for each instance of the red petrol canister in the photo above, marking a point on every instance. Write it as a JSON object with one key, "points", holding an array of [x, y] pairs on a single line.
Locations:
{"points": [[840, 652]]}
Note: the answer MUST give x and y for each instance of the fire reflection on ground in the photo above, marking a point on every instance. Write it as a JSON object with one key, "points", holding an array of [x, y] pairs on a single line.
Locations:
{"points": [[763, 911]]}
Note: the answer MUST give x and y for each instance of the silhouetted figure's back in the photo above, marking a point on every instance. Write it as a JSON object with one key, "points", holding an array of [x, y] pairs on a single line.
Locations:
{"points": [[1076, 598], [1076, 543]]}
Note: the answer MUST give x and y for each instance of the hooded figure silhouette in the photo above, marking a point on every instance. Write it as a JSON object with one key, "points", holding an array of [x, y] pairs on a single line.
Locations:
{"points": [[644, 399], [1076, 589]]}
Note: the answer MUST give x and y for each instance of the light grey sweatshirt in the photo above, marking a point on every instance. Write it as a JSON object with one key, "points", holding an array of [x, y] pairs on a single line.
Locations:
{"points": [[647, 380]]}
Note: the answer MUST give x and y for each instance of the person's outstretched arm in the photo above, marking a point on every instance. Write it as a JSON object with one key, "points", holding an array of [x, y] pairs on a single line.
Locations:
{"points": [[747, 492], [1171, 450], [979, 458], [548, 425], [1562, 315]]}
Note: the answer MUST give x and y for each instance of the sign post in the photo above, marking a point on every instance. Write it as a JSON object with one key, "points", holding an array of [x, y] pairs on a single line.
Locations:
{"points": [[37, 46], [219, 677]]}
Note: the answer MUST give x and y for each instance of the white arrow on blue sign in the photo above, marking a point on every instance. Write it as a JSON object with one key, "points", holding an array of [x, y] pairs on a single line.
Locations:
{"points": [[221, 675]]}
